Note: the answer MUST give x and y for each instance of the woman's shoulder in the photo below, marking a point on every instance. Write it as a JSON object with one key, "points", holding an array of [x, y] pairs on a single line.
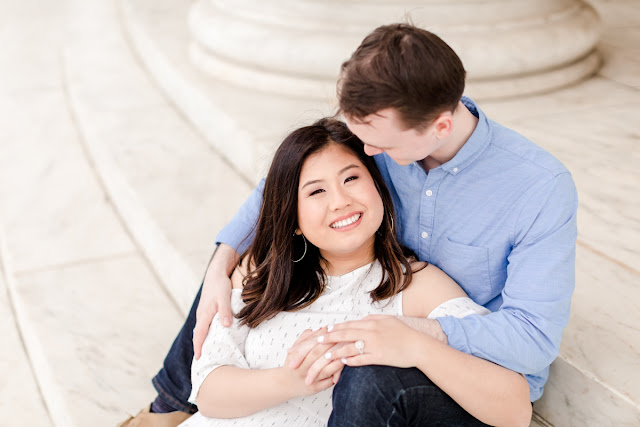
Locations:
{"points": [[429, 288]]}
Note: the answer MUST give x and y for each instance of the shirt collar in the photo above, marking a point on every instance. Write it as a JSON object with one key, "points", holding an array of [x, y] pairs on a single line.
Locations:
{"points": [[476, 143]]}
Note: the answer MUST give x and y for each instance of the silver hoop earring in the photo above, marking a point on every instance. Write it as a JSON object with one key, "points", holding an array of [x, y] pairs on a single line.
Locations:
{"points": [[305, 249], [391, 218]]}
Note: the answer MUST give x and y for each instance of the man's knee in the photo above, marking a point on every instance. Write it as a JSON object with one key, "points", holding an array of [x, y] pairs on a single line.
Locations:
{"points": [[365, 387], [376, 395]]}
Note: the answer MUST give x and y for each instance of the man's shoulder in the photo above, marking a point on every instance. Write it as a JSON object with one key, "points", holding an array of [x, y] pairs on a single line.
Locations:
{"points": [[510, 145]]}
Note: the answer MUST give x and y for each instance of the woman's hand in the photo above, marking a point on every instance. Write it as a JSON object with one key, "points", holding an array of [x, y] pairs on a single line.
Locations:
{"points": [[387, 341], [307, 352]]}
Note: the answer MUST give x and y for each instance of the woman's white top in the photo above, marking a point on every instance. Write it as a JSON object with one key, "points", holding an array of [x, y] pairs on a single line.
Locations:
{"points": [[345, 298]]}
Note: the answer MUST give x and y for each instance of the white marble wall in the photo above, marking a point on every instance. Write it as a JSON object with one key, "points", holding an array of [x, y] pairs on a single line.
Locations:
{"points": [[295, 48]]}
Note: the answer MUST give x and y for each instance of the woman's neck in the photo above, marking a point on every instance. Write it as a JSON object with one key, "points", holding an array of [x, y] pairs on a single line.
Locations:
{"points": [[337, 265]]}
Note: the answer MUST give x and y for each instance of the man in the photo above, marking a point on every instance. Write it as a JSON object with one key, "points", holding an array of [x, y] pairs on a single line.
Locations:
{"points": [[490, 208]]}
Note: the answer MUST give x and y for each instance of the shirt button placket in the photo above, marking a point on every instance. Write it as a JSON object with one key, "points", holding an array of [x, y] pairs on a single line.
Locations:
{"points": [[427, 210]]}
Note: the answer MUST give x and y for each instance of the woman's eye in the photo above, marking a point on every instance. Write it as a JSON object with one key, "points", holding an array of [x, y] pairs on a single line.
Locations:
{"points": [[351, 178], [318, 191]]}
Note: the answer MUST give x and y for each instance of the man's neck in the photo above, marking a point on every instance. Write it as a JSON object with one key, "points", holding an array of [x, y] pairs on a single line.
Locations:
{"points": [[464, 123]]}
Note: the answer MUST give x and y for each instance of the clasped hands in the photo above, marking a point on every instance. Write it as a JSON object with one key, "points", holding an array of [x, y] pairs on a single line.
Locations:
{"points": [[318, 356]]}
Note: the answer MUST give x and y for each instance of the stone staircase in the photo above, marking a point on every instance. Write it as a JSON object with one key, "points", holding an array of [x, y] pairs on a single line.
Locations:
{"points": [[120, 162]]}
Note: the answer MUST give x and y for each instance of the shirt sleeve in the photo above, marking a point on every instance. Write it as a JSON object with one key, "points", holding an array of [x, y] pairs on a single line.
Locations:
{"points": [[239, 233], [222, 346], [524, 334], [458, 307]]}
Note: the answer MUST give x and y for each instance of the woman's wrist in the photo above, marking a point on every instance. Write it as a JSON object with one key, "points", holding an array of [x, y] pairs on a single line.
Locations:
{"points": [[284, 380]]}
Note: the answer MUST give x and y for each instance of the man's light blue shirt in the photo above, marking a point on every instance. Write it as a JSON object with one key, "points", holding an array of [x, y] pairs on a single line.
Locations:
{"points": [[500, 219]]}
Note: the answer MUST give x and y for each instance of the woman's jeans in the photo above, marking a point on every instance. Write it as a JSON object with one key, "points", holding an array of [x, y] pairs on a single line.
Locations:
{"points": [[365, 396]]}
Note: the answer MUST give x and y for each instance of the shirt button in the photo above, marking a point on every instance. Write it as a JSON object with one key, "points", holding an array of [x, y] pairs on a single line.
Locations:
{"points": [[429, 193], [425, 234], [455, 169]]}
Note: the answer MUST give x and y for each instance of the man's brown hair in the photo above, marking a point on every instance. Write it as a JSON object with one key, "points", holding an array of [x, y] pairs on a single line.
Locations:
{"points": [[403, 67]]}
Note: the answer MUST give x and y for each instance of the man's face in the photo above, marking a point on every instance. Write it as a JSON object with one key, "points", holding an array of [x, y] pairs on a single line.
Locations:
{"points": [[384, 132]]}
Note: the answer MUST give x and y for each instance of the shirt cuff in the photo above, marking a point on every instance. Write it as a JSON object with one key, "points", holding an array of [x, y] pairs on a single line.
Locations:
{"points": [[455, 333]]}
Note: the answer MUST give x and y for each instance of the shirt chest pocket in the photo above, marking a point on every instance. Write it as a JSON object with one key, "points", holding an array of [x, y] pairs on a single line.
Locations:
{"points": [[468, 266]]}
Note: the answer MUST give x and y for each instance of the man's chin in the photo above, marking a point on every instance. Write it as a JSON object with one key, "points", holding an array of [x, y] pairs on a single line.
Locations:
{"points": [[403, 162]]}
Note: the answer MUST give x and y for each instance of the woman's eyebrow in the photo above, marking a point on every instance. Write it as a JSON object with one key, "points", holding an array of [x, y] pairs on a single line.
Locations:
{"points": [[313, 181], [341, 171]]}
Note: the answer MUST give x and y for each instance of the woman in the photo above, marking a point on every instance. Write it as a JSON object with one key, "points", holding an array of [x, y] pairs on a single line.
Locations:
{"points": [[325, 252]]}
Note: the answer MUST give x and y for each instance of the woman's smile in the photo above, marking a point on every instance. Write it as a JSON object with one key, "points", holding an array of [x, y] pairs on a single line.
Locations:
{"points": [[347, 222]]}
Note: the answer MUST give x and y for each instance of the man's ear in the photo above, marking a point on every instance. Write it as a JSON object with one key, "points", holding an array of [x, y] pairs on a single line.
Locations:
{"points": [[443, 124]]}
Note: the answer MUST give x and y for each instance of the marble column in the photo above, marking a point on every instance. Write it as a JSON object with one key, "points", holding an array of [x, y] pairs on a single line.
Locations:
{"points": [[295, 47]]}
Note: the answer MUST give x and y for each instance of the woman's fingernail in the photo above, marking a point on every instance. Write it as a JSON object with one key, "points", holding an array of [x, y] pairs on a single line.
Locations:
{"points": [[329, 328], [344, 361], [321, 338], [327, 355], [227, 321]]}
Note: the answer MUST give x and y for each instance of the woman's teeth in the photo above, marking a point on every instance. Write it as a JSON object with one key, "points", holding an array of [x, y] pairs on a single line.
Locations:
{"points": [[345, 222]]}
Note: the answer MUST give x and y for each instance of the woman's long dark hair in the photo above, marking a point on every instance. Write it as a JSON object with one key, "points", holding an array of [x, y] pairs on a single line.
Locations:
{"points": [[275, 283]]}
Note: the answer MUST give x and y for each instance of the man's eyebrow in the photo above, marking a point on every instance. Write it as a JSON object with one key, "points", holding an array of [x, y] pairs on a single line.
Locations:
{"points": [[341, 171]]}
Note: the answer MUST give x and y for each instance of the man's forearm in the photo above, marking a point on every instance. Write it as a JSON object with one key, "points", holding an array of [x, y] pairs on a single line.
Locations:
{"points": [[223, 261], [429, 327]]}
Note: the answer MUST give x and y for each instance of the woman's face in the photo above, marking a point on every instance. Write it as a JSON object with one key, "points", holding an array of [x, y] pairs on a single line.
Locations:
{"points": [[339, 208]]}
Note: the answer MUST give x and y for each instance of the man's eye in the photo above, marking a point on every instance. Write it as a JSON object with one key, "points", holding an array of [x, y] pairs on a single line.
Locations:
{"points": [[318, 191]]}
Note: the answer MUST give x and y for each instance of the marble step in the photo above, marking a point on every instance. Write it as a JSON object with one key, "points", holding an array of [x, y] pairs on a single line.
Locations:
{"points": [[21, 401], [87, 322], [158, 32], [173, 190], [93, 317]]}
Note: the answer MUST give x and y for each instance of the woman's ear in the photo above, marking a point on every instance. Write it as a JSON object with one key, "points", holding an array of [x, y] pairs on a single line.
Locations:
{"points": [[297, 232]]}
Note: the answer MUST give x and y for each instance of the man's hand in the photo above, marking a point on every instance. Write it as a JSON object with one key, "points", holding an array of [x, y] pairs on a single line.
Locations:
{"points": [[216, 295], [429, 327]]}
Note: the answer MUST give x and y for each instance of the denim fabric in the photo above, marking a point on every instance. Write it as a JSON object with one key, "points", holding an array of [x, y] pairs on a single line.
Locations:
{"points": [[173, 381], [374, 396]]}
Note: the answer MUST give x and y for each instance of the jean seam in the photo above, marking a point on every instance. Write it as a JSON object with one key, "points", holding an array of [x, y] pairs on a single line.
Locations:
{"points": [[182, 408], [393, 402]]}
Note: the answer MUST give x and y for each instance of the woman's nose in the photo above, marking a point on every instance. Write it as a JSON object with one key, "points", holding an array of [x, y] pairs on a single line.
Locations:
{"points": [[340, 199]]}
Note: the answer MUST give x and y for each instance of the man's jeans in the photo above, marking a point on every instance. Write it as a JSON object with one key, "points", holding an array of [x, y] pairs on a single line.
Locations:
{"points": [[365, 396], [173, 382], [386, 396]]}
